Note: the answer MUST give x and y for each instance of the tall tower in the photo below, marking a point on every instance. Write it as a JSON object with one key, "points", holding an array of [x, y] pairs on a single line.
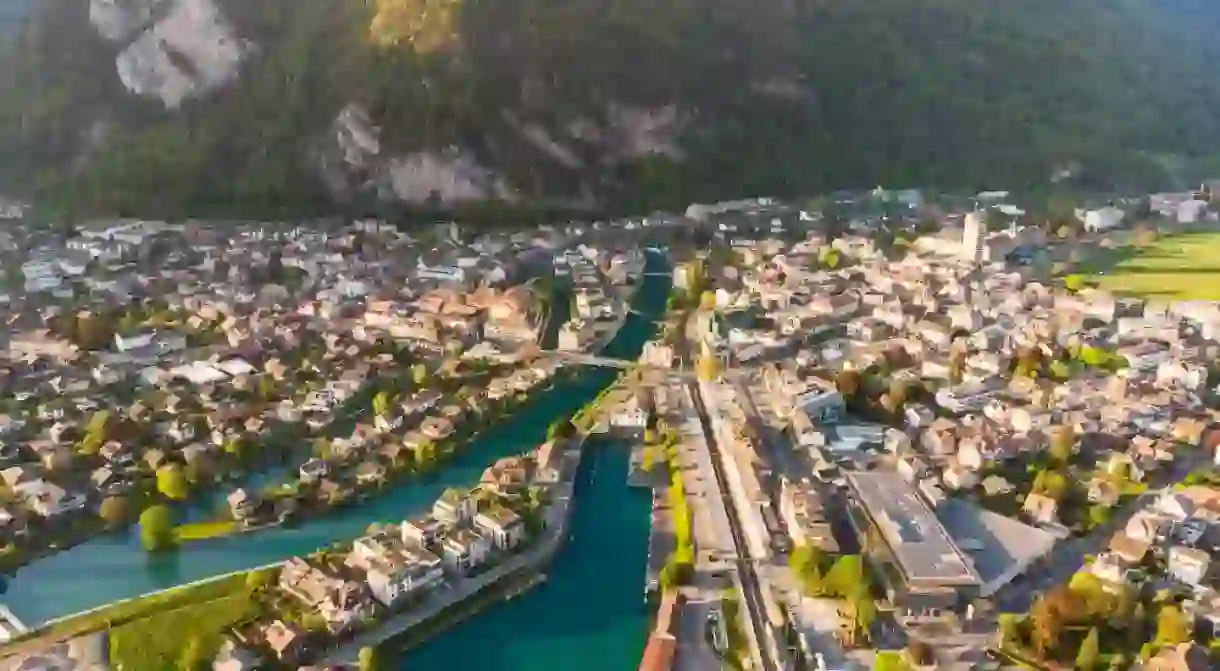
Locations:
{"points": [[973, 234]]}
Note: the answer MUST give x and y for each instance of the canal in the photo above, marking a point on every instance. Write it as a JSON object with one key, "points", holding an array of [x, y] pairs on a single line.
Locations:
{"points": [[115, 567], [590, 613]]}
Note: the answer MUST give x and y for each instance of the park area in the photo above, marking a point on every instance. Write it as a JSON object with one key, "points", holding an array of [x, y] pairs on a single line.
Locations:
{"points": [[1184, 266]]}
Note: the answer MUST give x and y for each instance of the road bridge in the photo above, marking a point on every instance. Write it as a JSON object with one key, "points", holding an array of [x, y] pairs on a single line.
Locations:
{"points": [[583, 359]]}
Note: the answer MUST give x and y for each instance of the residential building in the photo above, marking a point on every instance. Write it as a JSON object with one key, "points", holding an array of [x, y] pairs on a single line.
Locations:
{"points": [[455, 507], [801, 509], [503, 526], [393, 570], [286, 641], [1188, 565], [463, 550]]}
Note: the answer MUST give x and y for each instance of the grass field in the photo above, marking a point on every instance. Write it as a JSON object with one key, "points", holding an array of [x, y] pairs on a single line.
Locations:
{"points": [[1175, 267], [154, 626]]}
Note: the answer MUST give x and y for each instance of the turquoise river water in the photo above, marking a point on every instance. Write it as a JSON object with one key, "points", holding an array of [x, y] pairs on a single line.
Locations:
{"points": [[590, 614], [110, 568]]}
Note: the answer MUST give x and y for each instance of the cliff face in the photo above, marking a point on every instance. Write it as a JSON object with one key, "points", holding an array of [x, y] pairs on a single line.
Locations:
{"points": [[194, 106]]}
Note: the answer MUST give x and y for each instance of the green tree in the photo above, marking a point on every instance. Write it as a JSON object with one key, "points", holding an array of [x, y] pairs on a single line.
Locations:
{"points": [[193, 655], [1089, 656], [900, 391], [864, 609], [1099, 515], [708, 367], [559, 429], [1010, 631], [258, 580], [888, 660], [425, 455], [173, 482], [1090, 593], [1047, 624], [156, 528], [369, 659], [381, 404], [1062, 443], [235, 447], [419, 374], [1051, 483], [267, 388], [845, 576], [806, 558], [1172, 627], [114, 511]]}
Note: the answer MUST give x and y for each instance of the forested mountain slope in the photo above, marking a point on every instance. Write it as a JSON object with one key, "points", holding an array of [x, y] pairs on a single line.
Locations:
{"points": [[244, 107]]}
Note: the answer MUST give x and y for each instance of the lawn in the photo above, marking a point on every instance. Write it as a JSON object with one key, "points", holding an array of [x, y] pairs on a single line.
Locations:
{"points": [[197, 531], [1174, 267], [196, 600], [161, 640]]}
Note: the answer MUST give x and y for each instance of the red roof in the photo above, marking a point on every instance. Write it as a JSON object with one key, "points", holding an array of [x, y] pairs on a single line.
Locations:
{"points": [[660, 653]]}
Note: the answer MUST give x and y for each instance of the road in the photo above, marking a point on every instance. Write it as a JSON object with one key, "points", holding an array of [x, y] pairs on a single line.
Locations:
{"points": [[751, 587], [817, 619]]}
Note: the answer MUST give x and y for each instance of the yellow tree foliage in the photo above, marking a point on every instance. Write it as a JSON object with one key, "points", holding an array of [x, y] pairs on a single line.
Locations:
{"points": [[425, 26]]}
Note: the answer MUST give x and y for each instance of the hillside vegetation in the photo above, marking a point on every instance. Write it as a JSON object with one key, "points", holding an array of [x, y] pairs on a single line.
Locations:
{"points": [[772, 96]]}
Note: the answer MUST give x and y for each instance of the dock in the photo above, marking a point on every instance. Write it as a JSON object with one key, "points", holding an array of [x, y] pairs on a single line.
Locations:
{"points": [[641, 478]]}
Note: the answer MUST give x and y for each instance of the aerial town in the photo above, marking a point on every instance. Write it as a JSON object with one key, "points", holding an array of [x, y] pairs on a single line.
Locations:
{"points": [[878, 430]]}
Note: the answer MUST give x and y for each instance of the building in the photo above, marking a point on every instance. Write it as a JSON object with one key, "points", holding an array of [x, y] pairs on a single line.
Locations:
{"points": [[1188, 565], [922, 568], [802, 512], [974, 233], [825, 406], [426, 530], [686, 275], [455, 507], [658, 354], [503, 526], [394, 571], [464, 550], [1101, 220]]}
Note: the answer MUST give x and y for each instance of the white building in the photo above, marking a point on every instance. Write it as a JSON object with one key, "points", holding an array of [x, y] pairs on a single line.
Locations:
{"points": [[464, 550], [503, 526], [974, 232], [1101, 220]]}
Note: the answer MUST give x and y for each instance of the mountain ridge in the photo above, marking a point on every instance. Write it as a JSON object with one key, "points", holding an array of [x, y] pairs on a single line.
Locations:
{"points": [[594, 103]]}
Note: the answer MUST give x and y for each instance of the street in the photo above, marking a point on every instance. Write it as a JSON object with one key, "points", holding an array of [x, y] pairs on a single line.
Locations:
{"points": [[751, 589]]}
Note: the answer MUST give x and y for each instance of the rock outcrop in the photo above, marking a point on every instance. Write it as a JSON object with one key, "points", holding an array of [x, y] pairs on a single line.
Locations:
{"points": [[190, 51], [120, 20]]}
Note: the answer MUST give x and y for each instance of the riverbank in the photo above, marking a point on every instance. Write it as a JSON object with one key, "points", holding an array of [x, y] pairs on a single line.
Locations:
{"points": [[115, 567], [516, 568], [128, 610], [588, 615]]}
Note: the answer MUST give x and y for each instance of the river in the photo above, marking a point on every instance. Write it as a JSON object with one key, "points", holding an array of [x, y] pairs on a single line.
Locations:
{"points": [[115, 567], [590, 614]]}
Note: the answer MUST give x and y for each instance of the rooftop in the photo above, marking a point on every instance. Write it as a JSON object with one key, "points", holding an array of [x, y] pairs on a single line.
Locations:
{"points": [[1001, 547], [918, 541]]}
